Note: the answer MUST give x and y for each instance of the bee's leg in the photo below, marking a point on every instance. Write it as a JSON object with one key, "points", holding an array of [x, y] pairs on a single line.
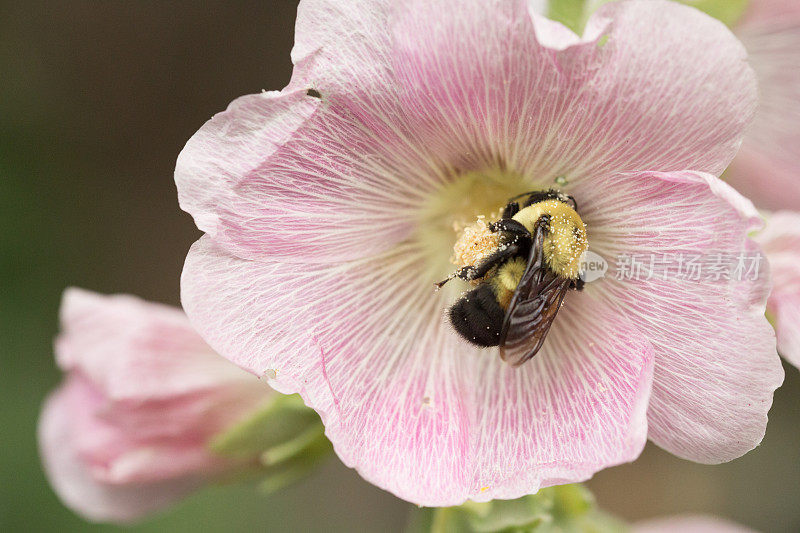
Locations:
{"points": [[511, 209], [574, 204], [509, 225], [577, 284], [470, 273]]}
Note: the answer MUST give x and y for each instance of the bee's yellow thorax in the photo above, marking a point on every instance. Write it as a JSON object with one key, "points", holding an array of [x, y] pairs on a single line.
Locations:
{"points": [[566, 240]]}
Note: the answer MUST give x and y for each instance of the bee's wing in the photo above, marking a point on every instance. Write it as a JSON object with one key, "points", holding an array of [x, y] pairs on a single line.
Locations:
{"points": [[533, 307]]}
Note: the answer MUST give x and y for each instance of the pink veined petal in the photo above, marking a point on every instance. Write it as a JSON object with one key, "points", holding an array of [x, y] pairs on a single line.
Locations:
{"points": [[653, 85], [768, 167], [343, 47], [716, 366], [324, 171], [73, 481], [223, 298], [579, 406], [293, 177], [689, 524], [407, 101], [415, 409], [134, 349], [197, 416], [130, 444], [297, 178], [781, 243]]}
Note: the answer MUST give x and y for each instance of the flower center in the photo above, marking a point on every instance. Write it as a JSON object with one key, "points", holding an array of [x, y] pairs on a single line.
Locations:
{"points": [[460, 211], [521, 266], [455, 229], [563, 244]]}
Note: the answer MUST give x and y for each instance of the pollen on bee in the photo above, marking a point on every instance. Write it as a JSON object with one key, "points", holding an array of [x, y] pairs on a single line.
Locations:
{"points": [[566, 243], [475, 241]]}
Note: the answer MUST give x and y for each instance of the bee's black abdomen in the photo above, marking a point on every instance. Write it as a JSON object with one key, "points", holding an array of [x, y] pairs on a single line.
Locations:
{"points": [[478, 317]]}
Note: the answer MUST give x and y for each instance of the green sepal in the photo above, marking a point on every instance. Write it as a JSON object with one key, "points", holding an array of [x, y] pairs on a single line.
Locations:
{"points": [[575, 13], [562, 509], [570, 13], [279, 444], [727, 11], [280, 422], [281, 469]]}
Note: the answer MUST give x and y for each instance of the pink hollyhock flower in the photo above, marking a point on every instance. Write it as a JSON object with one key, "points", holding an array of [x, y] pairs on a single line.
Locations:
{"points": [[768, 167], [127, 432], [781, 243], [690, 524], [330, 206]]}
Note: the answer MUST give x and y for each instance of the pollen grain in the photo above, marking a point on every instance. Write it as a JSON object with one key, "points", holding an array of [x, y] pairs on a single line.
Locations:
{"points": [[475, 242]]}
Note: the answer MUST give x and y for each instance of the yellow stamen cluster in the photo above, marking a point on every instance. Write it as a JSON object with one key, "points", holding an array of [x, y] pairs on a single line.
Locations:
{"points": [[475, 241]]}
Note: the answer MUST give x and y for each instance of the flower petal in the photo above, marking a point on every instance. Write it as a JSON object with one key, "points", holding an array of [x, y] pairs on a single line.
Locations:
{"points": [[343, 46], [284, 176], [390, 100], [134, 349], [716, 366], [768, 167], [781, 243], [653, 85], [579, 406], [119, 449], [244, 309], [415, 409], [325, 170], [73, 481]]}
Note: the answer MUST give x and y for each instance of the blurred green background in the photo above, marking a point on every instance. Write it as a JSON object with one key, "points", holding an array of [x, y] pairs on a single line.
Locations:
{"points": [[96, 101]]}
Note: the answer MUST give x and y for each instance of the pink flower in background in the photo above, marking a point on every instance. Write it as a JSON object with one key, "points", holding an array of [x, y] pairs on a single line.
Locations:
{"points": [[329, 209], [781, 243], [127, 432], [689, 524], [768, 167]]}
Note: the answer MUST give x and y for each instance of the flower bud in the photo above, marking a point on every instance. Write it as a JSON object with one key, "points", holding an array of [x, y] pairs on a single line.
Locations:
{"points": [[148, 412]]}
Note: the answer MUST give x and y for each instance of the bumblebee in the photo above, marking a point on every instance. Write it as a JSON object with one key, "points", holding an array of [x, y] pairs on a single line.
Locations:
{"points": [[521, 283]]}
